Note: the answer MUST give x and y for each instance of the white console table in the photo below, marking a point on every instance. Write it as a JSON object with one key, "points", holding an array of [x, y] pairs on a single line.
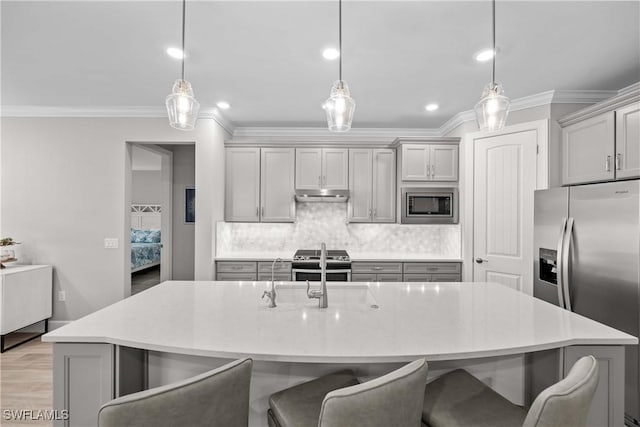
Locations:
{"points": [[25, 299]]}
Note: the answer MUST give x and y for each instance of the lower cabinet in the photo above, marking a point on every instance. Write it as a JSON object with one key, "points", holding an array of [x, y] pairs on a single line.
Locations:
{"points": [[252, 270], [382, 271]]}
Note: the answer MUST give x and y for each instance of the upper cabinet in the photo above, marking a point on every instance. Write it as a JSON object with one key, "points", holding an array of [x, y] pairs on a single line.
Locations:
{"points": [[277, 185], [322, 168], [588, 149], [372, 185], [429, 162], [628, 141], [259, 184], [602, 142], [242, 186]]}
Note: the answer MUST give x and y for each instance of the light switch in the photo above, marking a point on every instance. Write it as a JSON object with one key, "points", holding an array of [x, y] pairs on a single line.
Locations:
{"points": [[111, 243]]}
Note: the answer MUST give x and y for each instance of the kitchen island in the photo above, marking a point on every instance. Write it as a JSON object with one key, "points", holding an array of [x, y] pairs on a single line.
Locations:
{"points": [[178, 329]]}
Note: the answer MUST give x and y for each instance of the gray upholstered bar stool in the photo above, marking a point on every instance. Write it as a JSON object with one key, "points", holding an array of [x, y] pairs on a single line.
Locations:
{"points": [[459, 399], [216, 398], [338, 400]]}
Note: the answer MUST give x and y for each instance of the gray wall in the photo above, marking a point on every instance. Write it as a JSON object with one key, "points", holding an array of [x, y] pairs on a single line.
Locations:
{"points": [[184, 175], [146, 187], [63, 189]]}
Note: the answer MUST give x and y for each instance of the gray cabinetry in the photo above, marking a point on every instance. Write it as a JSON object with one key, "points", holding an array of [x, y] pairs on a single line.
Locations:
{"points": [[628, 141], [252, 270], [432, 272], [364, 271], [429, 162], [259, 184], [602, 142], [372, 174], [322, 168], [588, 149], [277, 185], [242, 184]]}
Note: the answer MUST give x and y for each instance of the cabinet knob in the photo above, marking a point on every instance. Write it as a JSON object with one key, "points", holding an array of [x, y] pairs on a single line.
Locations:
{"points": [[618, 161], [607, 164]]}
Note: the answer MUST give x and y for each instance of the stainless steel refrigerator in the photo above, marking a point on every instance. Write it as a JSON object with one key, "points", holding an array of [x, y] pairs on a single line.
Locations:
{"points": [[587, 260]]}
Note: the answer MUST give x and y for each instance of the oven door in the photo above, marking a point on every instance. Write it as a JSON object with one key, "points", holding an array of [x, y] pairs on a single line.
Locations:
{"points": [[300, 275]]}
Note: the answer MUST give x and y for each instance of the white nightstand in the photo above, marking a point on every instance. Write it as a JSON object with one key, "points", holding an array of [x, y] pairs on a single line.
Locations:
{"points": [[25, 299]]}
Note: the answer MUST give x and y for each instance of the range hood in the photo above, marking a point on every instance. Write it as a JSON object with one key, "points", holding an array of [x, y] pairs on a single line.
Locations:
{"points": [[331, 196]]}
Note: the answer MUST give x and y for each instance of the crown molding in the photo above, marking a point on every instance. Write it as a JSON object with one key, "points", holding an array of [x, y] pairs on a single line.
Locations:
{"points": [[313, 134], [105, 112]]}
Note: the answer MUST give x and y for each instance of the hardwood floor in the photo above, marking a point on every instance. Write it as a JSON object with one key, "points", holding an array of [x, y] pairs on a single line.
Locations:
{"points": [[26, 380], [145, 279]]}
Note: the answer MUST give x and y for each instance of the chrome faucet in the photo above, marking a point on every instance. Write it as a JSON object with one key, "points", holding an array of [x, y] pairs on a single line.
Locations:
{"points": [[323, 300], [272, 293]]}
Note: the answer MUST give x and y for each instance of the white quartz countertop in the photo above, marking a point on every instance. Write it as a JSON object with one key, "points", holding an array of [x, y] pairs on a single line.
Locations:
{"points": [[439, 321], [355, 256]]}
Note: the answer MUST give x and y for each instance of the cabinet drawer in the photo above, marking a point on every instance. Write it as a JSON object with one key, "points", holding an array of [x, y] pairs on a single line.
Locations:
{"points": [[364, 277], [279, 277], [236, 266], [446, 278], [389, 277], [251, 276], [431, 267], [281, 267], [413, 277], [376, 267]]}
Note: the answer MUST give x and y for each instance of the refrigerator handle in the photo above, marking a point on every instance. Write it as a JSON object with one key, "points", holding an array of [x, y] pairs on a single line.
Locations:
{"points": [[565, 263], [560, 264]]}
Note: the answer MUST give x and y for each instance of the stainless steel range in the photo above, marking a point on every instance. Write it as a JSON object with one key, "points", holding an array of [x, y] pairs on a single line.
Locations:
{"points": [[306, 265]]}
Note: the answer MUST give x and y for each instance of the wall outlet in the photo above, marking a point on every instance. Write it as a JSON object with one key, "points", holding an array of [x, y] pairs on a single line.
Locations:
{"points": [[111, 243], [62, 296]]}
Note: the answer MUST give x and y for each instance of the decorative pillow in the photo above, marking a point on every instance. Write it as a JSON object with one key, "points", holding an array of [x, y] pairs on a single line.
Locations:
{"points": [[138, 236], [152, 236]]}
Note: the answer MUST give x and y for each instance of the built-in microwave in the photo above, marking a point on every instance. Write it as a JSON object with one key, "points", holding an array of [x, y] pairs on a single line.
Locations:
{"points": [[436, 205]]}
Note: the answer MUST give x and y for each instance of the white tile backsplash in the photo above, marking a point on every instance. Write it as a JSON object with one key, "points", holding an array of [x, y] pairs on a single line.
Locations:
{"points": [[326, 222]]}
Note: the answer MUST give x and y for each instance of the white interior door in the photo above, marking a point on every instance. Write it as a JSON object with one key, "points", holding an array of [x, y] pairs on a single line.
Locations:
{"points": [[504, 180]]}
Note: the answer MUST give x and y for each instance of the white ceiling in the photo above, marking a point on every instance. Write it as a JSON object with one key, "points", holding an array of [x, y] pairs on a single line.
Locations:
{"points": [[265, 57]]}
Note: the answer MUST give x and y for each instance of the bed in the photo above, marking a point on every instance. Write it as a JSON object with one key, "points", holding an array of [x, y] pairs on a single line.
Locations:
{"points": [[145, 236], [145, 249]]}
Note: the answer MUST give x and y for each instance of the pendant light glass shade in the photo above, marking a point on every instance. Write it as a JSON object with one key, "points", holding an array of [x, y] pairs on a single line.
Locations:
{"points": [[339, 107], [182, 107], [493, 108]]}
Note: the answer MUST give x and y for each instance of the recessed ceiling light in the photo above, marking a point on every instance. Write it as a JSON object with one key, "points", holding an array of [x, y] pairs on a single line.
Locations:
{"points": [[484, 55], [330, 53], [175, 52], [223, 105], [432, 107]]}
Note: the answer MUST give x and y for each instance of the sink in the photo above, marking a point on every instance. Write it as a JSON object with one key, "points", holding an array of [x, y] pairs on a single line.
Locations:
{"points": [[342, 295]]}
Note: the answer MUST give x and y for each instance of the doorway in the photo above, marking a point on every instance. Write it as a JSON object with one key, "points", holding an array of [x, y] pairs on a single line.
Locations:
{"points": [[151, 201]]}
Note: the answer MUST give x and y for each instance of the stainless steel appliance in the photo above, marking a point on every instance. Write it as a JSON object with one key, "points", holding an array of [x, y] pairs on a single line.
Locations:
{"points": [[306, 265], [436, 205], [587, 256]]}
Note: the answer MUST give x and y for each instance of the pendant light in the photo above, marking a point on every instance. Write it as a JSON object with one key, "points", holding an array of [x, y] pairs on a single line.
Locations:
{"points": [[493, 108], [182, 107], [340, 106]]}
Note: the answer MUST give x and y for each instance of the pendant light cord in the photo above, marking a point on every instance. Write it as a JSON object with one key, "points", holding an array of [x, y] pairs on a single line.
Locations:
{"points": [[493, 23], [340, 40], [184, 6]]}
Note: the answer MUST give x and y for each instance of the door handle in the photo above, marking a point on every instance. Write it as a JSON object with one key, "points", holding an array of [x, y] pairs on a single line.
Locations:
{"points": [[565, 263], [257, 211], [433, 170], [428, 171], [559, 260], [607, 164], [262, 211], [320, 180], [618, 161], [480, 260]]}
